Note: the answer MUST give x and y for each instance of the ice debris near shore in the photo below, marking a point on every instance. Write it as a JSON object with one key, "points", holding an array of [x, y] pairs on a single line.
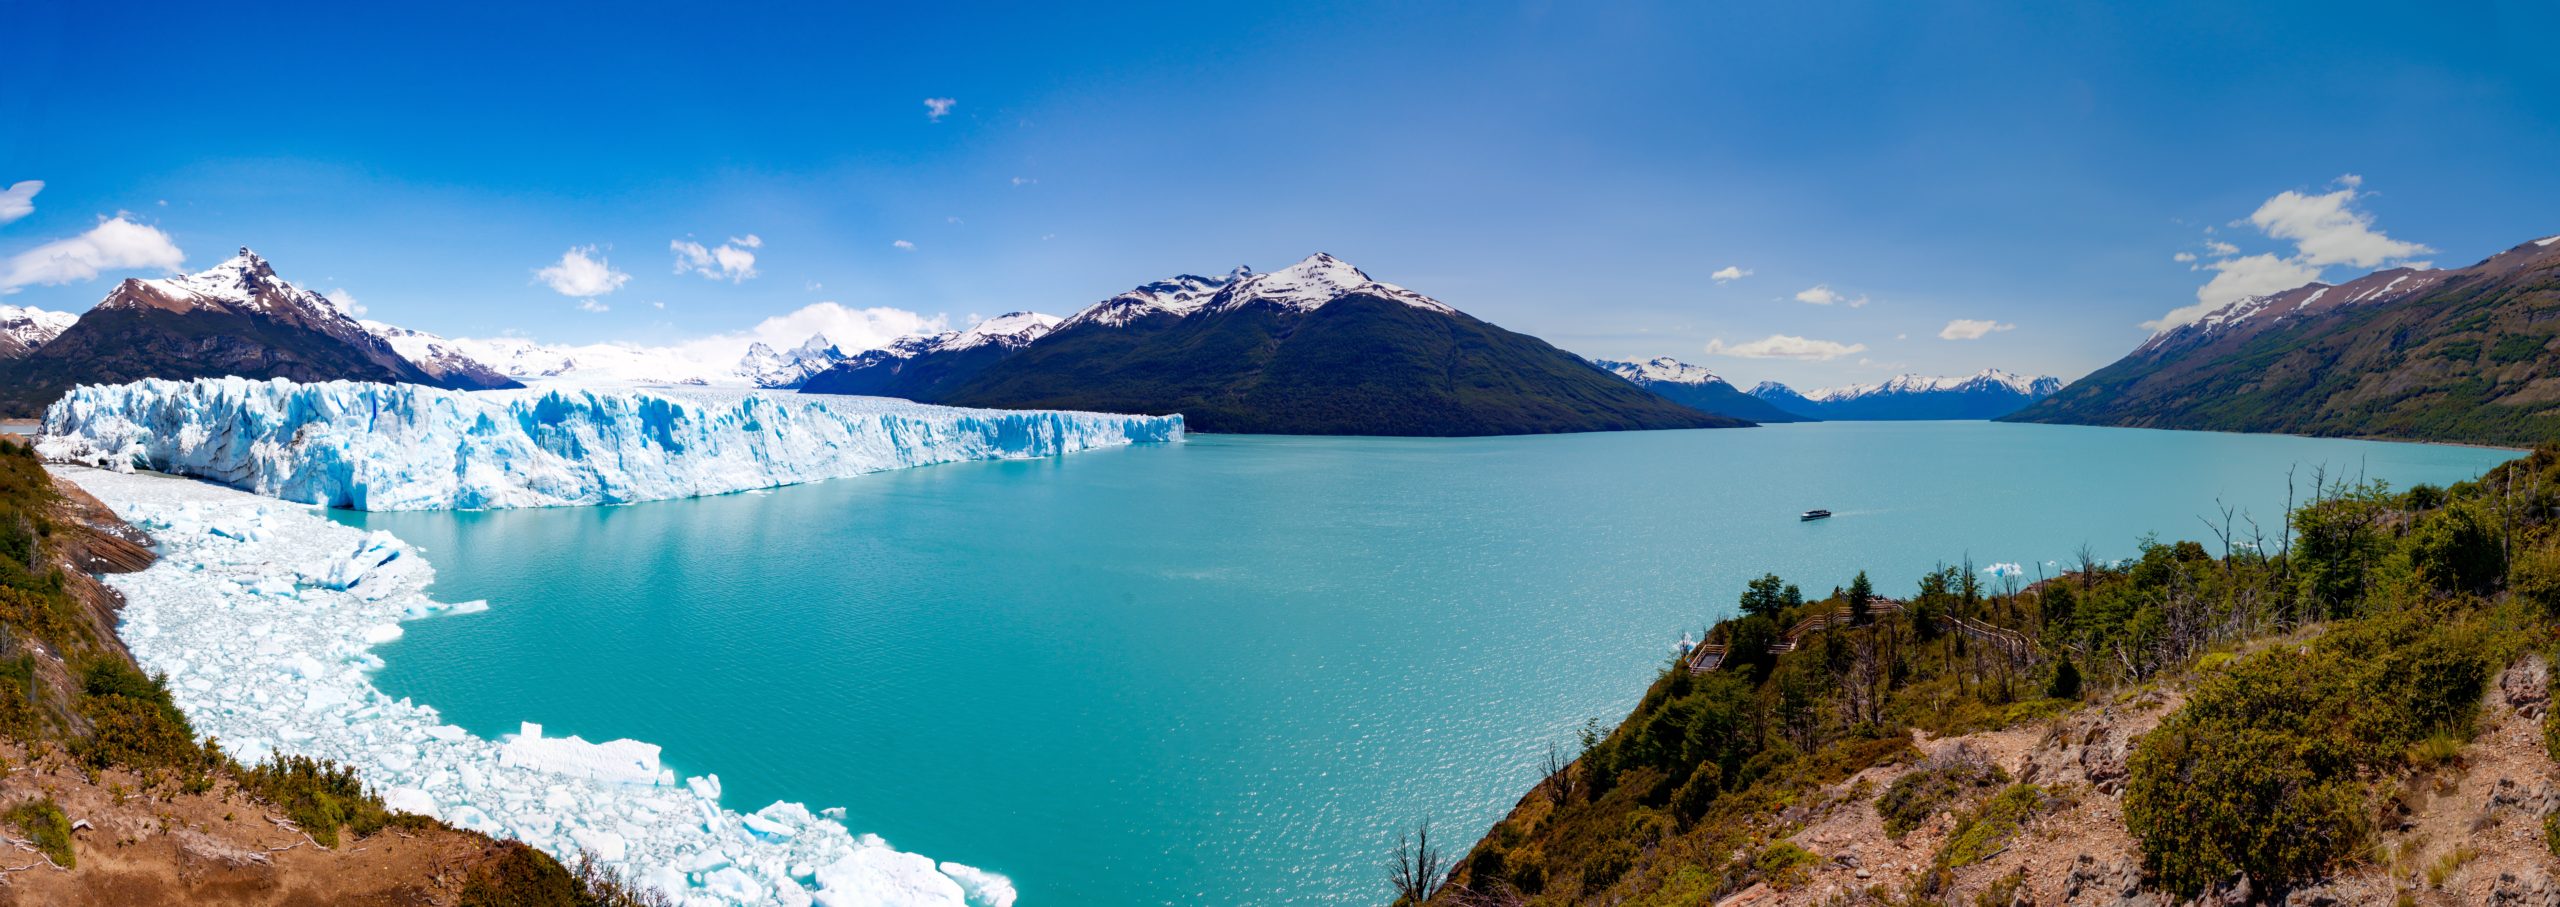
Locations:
{"points": [[407, 447], [263, 614]]}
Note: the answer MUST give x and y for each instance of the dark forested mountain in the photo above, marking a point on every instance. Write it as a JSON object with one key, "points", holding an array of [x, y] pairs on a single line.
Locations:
{"points": [[1315, 348], [237, 318], [1987, 394], [926, 367], [2456, 355], [1697, 388]]}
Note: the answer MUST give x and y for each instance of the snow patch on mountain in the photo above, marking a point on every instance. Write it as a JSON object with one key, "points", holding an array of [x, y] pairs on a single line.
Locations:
{"points": [[409, 447], [1012, 330], [1178, 295], [1662, 369], [1986, 379], [1311, 283], [29, 327]]}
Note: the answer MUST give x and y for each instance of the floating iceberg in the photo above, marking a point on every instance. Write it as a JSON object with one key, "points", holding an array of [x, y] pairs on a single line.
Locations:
{"points": [[263, 616], [407, 447]]}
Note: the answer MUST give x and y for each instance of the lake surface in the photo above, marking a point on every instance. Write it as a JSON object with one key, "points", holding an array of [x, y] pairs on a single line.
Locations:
{"points": [[1225, 672]]}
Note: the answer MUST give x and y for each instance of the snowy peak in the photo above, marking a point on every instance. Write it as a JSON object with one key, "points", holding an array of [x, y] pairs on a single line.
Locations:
{"points": [[1986, 379], [1660, 369], [763, 367], [1178, 295], [1311, 283], [243, 283], [23, 328], [1012, 330]]}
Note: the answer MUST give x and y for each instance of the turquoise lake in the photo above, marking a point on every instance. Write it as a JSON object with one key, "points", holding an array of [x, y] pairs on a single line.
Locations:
{"points": [[1227, 671]]}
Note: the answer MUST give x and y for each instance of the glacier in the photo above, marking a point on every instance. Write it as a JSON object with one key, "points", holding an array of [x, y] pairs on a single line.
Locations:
{"points": [[407, 447], [264, 614]]}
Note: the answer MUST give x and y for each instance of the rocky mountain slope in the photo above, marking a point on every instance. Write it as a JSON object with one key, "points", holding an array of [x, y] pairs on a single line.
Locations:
{"points": [[2456, 355], [1697, 388], [23, 328], [1315, 348], [926, 367], [1987, 394], [236, 318]]}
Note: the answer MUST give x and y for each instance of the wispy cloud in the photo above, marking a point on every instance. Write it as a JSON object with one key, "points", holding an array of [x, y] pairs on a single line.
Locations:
{"points": [[345, 301], [19, 200], [903, 246], [590, 305], [730, 261], [1785, 346], [1972, 329], [115, 244], [1730, 273], [583, 273], [937, 108]]}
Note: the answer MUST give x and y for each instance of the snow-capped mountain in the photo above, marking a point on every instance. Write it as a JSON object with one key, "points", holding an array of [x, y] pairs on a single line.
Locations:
{"points": [[438, 357], [1987, 394], [235, 318], [1318, 347], [23, 328], [763, 367], [921, 367], [1696, 387], [2461, 354]]}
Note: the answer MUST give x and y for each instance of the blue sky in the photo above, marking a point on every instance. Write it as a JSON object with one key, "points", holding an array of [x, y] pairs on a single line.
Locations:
{"points": [[1574, 171]]}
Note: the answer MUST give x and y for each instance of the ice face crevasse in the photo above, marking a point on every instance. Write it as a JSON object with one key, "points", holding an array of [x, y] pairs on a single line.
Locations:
{"points": [[405, 447], [264, 617]]}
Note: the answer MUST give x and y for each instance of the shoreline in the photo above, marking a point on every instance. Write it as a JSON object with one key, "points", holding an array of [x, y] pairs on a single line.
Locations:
{"points": [[264, 614]]}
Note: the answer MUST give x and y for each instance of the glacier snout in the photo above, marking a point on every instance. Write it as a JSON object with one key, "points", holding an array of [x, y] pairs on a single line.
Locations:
{"points": [[407, 447]]}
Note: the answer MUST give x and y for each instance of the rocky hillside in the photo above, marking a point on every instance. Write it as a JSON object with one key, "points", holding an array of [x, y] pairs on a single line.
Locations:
{"points": [[1315, 348], [236, 318], [2449, 355], [2352, 712]]}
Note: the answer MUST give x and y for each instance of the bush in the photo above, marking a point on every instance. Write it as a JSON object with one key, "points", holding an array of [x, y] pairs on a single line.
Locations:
{"points": [[1941, 781], [1696, 794], [1986, 829], [1784, 865], [512, 874], [319, 795], [2066, 680], [45, 827]]}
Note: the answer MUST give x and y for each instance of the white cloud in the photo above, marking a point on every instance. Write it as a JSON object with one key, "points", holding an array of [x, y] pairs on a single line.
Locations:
{"points": [[1972, 329], [1785, 346], [1823, 294], [19, 200], [728, 261], [2183, 257], [850, 329], [590, 305], [582, 273], [114, 244], [903, 246], [1731, 273], [345, 301], [1023, 181], [937, 108], [2327, 230]]}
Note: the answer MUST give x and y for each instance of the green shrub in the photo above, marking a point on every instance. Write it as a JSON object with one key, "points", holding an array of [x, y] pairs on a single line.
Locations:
{"points": [[1933, 786], [516, 875], [1696, 794], [1986, 829], [46, 827], [319, 795], [1784, 865]]}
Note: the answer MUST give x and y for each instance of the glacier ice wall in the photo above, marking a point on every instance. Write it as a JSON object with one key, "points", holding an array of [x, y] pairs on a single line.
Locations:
{"points": [[406, 447], [264, 616]]}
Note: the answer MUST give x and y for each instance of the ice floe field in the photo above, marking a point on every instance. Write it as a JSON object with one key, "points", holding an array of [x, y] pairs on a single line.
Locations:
{"points": [[263, 614]]}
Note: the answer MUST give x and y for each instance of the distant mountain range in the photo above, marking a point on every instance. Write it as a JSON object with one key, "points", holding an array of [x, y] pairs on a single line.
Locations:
{"points": [[236, 318], [929, 366], [1987, 394], [2457, 355], [1315, 348], [1696, 387]]}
